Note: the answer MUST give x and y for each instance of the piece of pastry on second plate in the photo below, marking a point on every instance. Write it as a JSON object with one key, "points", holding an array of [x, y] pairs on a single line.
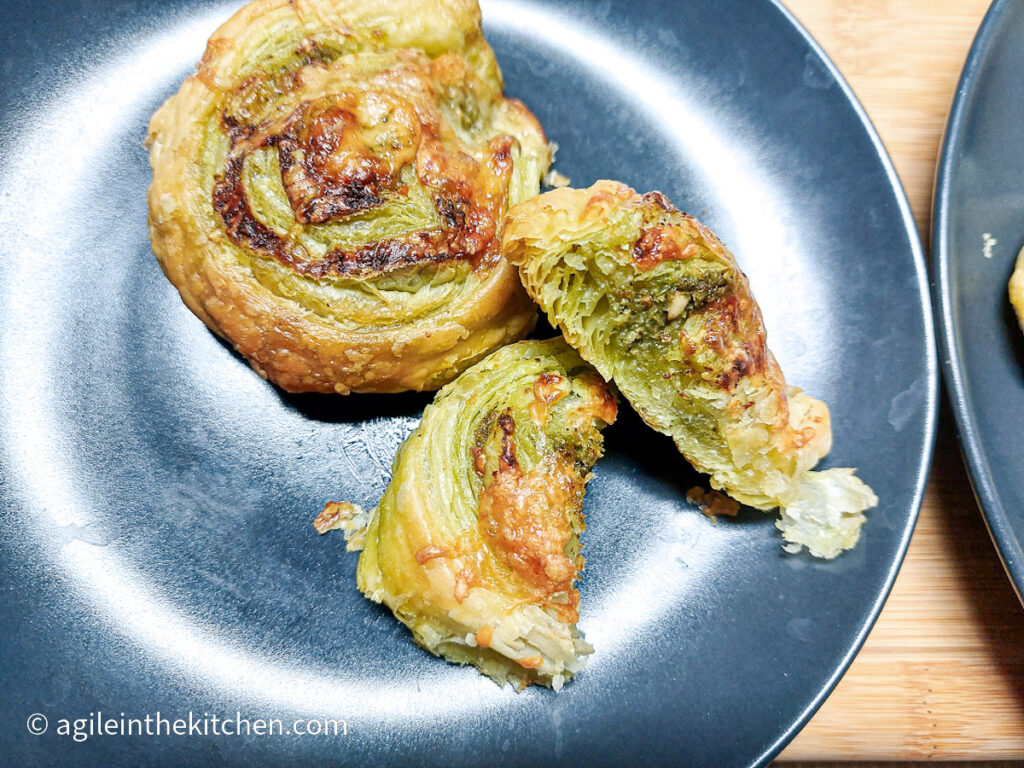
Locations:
{"points": [[657, 304], [329, 186], [1016, 288], [475, 544]]}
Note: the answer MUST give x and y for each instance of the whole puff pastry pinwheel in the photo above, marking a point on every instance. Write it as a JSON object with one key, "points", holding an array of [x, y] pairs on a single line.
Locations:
{"points": [[657, 304], [475, 544], [329, 186]]}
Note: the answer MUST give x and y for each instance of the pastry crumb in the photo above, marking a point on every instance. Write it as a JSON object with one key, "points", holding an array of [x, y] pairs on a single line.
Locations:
{"points": [[555, 179], [344, 516], [713, 503]]}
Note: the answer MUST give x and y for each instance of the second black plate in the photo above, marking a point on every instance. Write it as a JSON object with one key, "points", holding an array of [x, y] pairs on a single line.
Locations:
{"points": [[977, 230]]}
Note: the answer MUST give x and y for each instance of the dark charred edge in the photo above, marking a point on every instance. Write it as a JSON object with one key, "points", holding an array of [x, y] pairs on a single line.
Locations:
{"points": [[236, 130], [500, 160], [337, 201], [360, 192], [749, 361], [507, 423], [231, 203], [750, 358], [659, 199], [656, 246], [452, 211], [507, 457], [387, 255]]}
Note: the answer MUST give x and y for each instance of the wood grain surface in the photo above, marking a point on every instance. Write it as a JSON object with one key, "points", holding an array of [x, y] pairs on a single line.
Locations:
{"points": [[942, 674]]}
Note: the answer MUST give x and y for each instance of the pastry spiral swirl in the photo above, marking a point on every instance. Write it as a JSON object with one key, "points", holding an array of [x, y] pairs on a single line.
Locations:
{"points": [[328, 190], [475, 543], [657, 304]]}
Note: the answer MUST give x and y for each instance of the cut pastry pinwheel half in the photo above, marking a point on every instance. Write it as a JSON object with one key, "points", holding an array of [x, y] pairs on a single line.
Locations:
{"points": [[475, 544], [657, 304], [329, 187]]}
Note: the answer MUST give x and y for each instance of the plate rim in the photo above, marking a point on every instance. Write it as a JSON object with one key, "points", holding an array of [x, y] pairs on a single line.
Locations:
{"points": [[1004, 539], [930, 405]]}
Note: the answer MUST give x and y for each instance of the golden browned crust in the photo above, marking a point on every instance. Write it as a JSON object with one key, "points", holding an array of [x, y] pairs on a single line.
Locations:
{"points": [[525, 518], [329, 186]]}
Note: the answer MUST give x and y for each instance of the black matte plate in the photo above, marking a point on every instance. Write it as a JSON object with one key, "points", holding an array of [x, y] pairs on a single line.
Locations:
{"points": [[158, 553], [977, 230]]}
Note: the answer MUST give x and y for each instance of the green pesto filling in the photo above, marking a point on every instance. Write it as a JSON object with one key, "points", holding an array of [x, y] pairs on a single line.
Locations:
{"points": [[621, 316], [465, 415]]}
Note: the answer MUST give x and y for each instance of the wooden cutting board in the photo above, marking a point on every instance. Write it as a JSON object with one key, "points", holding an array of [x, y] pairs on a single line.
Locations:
{"points": [[942, 674]]}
